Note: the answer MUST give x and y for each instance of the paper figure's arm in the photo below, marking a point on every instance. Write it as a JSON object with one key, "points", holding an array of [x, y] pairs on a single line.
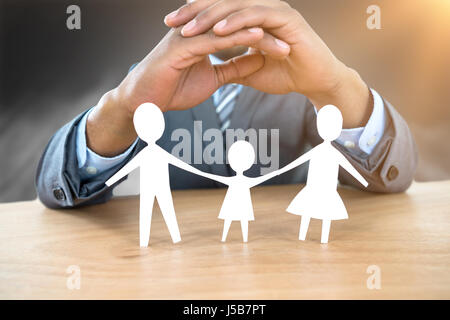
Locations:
{"points": [[261, 179], [183, 165], [221, 179], [351, 169], [126, 169], [300, 160]]}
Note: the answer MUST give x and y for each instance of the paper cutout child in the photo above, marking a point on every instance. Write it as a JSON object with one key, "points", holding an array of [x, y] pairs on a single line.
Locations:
{"points": [[154, 174], [319, 199], [237, 205]]}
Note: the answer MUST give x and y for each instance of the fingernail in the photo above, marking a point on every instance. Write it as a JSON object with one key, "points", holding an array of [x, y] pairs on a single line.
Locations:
{"points": [[171, 15], [220, 24], [281, 44], [254, 30], [189, 26]]}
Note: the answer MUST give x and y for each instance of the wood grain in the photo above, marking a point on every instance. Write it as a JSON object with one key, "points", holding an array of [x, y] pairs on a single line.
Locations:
{"points": [[406, 235]]}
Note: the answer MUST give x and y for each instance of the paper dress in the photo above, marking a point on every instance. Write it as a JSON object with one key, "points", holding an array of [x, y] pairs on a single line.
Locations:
{"points": [[319, 199]]}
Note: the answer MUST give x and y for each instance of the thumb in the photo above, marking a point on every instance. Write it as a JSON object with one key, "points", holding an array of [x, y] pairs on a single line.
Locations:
{"points": [[238, 68]]}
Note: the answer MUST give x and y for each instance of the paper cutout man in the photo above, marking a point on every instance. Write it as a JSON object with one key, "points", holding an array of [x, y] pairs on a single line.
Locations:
{"points": [[237, 205], [319, 199], [154, 174]]}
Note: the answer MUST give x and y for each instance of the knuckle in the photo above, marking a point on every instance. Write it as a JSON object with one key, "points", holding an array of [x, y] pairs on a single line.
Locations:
{"points": [[297, 14], [254, 2], [206, 16], [190, 7], [185, 9], [288, 10], [259, 8], [285, 4]]}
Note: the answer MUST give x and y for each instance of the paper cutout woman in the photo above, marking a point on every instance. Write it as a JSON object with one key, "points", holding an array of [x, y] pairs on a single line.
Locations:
{"points": [[154, 181], [237, 205], [319, 199]]}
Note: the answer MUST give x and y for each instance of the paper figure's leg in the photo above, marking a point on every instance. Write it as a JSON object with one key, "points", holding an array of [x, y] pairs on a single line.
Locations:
{"points": [[226, 227], [244, 227], [304, 227], [164, 197], [145, 218], [325, 230]]}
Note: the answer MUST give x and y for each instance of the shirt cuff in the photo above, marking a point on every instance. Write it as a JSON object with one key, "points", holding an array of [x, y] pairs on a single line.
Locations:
{"points": [[364, 139], [90, 164]]}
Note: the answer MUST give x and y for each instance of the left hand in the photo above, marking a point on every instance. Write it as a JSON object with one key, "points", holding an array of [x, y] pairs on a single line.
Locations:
{"points": [[310, 68]]}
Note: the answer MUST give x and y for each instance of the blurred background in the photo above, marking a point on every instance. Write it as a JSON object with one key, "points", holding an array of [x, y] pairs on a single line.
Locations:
{"points": [[49, 74]]}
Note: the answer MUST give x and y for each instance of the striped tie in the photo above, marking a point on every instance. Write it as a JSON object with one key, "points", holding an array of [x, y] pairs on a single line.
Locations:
{"points": [[225, 102]]}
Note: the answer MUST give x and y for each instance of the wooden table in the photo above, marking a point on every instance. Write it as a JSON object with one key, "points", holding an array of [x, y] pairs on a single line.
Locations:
{"points": [[407, 236]]}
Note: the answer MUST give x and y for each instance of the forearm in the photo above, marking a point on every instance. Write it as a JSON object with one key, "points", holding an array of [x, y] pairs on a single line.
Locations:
{"points": [[109, 127], [350, 94]]}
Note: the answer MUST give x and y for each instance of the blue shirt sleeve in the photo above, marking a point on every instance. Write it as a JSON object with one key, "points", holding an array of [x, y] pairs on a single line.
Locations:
{"points": [[90, 164], [364, 139]]}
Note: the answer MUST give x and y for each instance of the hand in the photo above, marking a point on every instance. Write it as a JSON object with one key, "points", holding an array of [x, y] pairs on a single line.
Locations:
{"points": [[176, 74], [310, 68]]}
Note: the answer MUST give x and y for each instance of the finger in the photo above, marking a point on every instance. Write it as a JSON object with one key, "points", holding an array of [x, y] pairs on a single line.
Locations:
{"points": [[237, 69], [252, 50], [265, 17], [208, 43], [187, 12], [272, 46], [204, 20]]}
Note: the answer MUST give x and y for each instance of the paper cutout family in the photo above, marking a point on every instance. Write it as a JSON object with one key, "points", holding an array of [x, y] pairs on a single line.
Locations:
{"points": [[319, 199]]}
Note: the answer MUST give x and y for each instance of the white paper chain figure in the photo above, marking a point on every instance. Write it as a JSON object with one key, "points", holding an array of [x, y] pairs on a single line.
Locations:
{"points": [[319, 199], [154, 164], [237, 205]]}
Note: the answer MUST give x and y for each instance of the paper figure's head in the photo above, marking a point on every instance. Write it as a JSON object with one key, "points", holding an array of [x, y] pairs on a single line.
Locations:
{"points": [[241, 156], [329, 123], [149, 122]]}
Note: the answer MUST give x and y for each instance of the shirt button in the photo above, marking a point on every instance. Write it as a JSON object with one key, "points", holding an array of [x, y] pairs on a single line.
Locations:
{"points": [[91, 170], [58, 193], [392, 173], [349, 144], [371, 141]]}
